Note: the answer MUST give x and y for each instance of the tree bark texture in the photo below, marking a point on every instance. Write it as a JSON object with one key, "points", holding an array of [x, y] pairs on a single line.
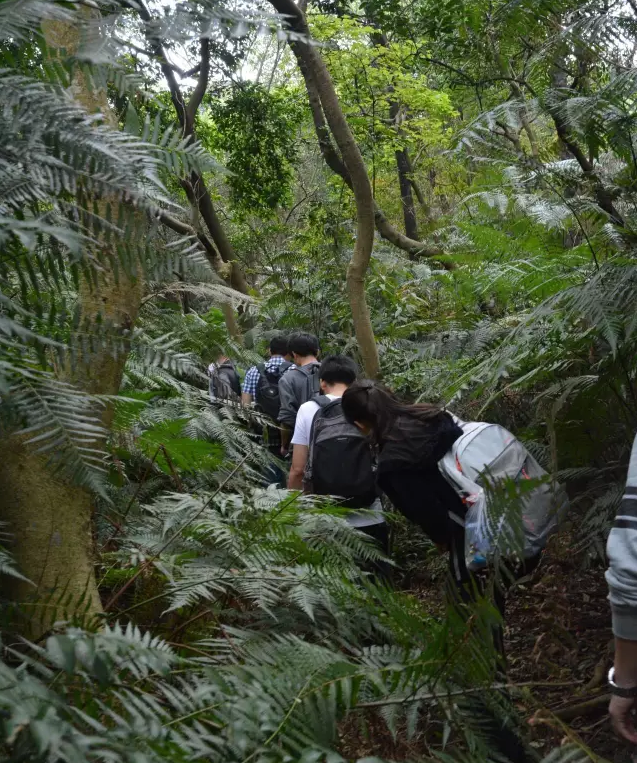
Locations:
{"points": [[49, 522], [406, 196], [49, 518]]}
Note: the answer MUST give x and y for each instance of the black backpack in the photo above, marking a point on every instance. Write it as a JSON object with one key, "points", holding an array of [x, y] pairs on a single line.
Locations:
{"points": [[225, 383], [267, 396], [340, 457]]}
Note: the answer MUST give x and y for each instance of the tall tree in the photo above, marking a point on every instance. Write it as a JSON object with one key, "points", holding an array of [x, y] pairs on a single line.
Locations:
{"points": [[50, 518], [333, 154], [195, 185], [328, 117]]}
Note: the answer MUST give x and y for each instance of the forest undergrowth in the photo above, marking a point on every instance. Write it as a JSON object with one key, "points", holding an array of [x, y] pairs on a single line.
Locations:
{"points": [[445, 192]]}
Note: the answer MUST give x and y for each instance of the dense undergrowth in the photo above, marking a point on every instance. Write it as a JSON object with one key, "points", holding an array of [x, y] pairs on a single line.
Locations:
{"points": [[236, 622]]}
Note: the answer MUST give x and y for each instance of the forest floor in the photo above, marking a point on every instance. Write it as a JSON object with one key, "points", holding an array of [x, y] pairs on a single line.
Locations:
{"points": [[559, 647]]}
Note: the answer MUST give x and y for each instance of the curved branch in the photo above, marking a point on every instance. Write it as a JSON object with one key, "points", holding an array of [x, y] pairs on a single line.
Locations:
{"points": [[202, 82], [333, 159], [218, 265], [602, 195]]}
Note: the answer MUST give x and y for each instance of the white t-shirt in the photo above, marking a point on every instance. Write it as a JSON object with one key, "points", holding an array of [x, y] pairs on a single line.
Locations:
{"points": [[301, 436]]}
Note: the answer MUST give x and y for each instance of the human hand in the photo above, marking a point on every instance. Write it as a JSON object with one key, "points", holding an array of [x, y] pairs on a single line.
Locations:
{"points": [[622, 717]]}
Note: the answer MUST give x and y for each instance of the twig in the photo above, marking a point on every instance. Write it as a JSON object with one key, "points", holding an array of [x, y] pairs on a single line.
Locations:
{"points": [[132, 500], [460, 692], [568, 712]]}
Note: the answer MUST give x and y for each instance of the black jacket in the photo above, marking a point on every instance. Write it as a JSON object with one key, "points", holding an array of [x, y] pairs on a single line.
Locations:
{"points": [[408, 474]]}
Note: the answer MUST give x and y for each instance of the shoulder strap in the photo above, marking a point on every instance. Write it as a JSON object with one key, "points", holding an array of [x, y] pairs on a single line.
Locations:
{"points": [[308, 368], [325, 403]]}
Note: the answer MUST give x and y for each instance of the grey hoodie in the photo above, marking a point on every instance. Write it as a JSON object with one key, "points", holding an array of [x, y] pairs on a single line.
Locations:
{"points": [[621, 550]]}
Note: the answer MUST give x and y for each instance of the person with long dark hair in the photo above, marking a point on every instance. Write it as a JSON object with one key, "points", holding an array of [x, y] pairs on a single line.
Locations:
{"points": [[410, 441]]}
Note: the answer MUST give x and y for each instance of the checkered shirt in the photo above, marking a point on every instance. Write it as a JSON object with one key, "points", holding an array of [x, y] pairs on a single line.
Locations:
{"points": [[251, 381]]}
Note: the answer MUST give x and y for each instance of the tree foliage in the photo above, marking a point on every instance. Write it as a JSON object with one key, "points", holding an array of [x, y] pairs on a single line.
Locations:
{"points": [[242, 623], [257, 130]]}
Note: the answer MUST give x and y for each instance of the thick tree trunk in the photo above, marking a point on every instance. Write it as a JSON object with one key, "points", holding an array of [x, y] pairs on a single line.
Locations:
{"points": [[313, 66], [49, 521], [50, 518]]}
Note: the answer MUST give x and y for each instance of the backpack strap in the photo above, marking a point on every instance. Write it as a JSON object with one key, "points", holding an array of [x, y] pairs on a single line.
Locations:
{"points": [[309, 368], [324, 403]]}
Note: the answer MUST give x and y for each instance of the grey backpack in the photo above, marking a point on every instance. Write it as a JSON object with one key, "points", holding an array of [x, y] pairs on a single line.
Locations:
{"points": [[310, 386], [512, 505]]}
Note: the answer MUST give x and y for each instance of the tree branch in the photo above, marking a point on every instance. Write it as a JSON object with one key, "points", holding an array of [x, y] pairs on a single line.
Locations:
{"points": [[189, 72], [602, 195], [202, 83], [302, 53], [166, 67], [186, 230]]}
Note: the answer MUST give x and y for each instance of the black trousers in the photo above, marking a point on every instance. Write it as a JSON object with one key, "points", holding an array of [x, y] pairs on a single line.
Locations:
{"points": [[380, 532]]}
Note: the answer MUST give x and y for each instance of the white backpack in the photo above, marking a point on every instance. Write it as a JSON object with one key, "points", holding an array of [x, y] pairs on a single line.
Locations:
{"points": [[487, 457]]}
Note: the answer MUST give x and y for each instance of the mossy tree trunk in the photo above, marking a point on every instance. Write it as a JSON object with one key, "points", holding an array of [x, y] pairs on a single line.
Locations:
{"points": [[49, 518]]}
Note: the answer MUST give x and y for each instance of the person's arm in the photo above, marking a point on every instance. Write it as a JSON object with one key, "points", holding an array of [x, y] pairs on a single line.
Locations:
{"points": [[249, 389], [286, 435], [621, 709], [301, 443], [288, 406], [422, 497], [622, 583], [297, 470]]}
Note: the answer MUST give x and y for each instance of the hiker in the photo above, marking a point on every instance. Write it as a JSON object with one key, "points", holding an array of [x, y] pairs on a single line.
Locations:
{"points": [[331, 456], [411, 440], [261, 387], [224, 382], [622, 582], [256, 377], [299, 383]]}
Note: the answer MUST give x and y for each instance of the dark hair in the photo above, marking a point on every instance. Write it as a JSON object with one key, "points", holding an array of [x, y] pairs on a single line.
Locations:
{"points": [[377, 407], [338, 369], [303, 344], [279, 345]]}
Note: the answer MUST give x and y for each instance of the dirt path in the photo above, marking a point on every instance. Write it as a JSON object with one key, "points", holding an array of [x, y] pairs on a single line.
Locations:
{"points": [[559, 633]]}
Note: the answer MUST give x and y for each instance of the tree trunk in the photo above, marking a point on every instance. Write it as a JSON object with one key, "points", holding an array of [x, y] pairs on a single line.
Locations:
{"points": [[231, 321], [195, 186], [315, 68], [409, 208], [49, 521], [201, 196], [49, 518]]}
